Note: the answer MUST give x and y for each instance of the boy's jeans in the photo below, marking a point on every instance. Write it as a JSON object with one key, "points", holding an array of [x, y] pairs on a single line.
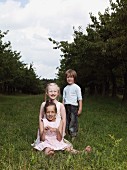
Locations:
{"points": [[71, 119]]}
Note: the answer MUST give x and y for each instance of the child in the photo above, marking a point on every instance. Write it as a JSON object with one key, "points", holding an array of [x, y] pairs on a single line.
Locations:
{"points": [[72, 99], [53, 92], [52, 129]]}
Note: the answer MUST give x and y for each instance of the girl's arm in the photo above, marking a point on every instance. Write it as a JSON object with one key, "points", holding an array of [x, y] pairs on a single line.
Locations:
{"points": [[63, 116], [42, 135], [59, 131], [41, 115], [63, 97]]}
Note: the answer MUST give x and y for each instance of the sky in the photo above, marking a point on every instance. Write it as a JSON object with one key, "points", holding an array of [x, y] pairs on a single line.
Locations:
{"points": [[32, 22]]}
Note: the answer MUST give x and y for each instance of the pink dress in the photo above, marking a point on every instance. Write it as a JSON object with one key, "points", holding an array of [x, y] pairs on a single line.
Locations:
{"points": [[50, 138], [58, 116]]}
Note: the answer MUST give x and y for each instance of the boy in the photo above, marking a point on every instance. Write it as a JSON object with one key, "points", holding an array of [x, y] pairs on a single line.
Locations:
{"points": [[72, 99]]}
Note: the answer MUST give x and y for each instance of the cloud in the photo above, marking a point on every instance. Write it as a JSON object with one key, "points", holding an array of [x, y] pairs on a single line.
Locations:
{"points": [[32, 22]]}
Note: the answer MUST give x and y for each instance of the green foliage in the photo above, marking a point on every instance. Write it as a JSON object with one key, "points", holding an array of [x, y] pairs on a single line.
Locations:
{"points": [[99, 55], [102, 125], [15, 76]]}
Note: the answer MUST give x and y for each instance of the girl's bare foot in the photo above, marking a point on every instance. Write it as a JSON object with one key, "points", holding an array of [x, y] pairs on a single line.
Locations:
{"points": [[51, 152], [88, 149]]}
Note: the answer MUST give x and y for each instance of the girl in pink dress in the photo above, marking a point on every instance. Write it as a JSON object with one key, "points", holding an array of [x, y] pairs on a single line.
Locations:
{"points": [[52, 92], [52, 129]]}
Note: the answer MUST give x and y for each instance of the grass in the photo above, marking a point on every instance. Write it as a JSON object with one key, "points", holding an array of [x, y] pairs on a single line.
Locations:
{"points": [[102, 125]]}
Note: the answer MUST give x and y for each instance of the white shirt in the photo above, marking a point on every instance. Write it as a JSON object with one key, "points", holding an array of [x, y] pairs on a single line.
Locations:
{"points": [[72, 94]]}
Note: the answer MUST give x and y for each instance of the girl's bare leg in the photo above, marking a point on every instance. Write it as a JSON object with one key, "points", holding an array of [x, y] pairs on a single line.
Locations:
{"points": [[74, 151], [71, 150]]}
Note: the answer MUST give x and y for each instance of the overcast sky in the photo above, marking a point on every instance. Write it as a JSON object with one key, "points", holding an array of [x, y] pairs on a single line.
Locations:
{"points": [[32, 22]]}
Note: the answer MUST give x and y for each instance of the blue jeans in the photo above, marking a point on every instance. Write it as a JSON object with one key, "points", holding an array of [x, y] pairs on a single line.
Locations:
{"points": [[71, 119]]}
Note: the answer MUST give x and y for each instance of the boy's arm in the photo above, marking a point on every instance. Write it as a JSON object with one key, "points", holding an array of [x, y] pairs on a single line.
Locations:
{"points": [[79, 96], [80, 107]]}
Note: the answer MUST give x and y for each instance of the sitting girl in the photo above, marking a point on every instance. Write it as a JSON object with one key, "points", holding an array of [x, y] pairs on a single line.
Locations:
{"points": [[52, 92], [52, 129]]}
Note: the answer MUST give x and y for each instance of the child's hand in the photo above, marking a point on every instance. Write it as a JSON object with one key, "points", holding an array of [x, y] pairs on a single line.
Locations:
{"points": [[51, 129], [79, 112], [46, 128]]}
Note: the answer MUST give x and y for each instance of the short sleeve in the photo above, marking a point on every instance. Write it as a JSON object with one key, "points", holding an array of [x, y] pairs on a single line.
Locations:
{"points": [[79, 93]]}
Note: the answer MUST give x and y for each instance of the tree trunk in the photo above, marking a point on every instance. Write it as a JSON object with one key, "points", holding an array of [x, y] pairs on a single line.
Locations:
{"points": [[125, 87], [114, 85], [92, 89]]}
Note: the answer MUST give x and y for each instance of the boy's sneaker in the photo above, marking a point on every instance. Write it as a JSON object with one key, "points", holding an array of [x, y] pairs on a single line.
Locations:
{"points": [[73, 134], [73, 138]]}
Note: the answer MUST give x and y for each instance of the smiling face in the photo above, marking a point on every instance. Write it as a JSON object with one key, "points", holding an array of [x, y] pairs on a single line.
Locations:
{"points": [[71, 76], [51, 113], [70, 79], [53, 91]]}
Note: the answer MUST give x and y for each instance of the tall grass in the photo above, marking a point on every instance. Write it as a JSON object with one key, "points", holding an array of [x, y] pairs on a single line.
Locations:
{"points": [[102, 125]]}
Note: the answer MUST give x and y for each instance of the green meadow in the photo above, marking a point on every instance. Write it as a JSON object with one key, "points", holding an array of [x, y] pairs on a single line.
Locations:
{"points": [[102, 125]]}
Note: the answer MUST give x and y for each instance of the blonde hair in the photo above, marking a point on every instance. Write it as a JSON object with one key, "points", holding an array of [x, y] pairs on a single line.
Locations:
{"points": [[70, 73], [47, 88]]}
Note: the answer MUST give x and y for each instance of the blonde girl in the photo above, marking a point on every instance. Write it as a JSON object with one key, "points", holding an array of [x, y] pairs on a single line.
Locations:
{"points": [[52, 92]]}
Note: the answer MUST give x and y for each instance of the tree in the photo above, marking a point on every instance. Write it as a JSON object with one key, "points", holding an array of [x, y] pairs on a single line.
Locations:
{"points": [[99, 56], [15, 76]]}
